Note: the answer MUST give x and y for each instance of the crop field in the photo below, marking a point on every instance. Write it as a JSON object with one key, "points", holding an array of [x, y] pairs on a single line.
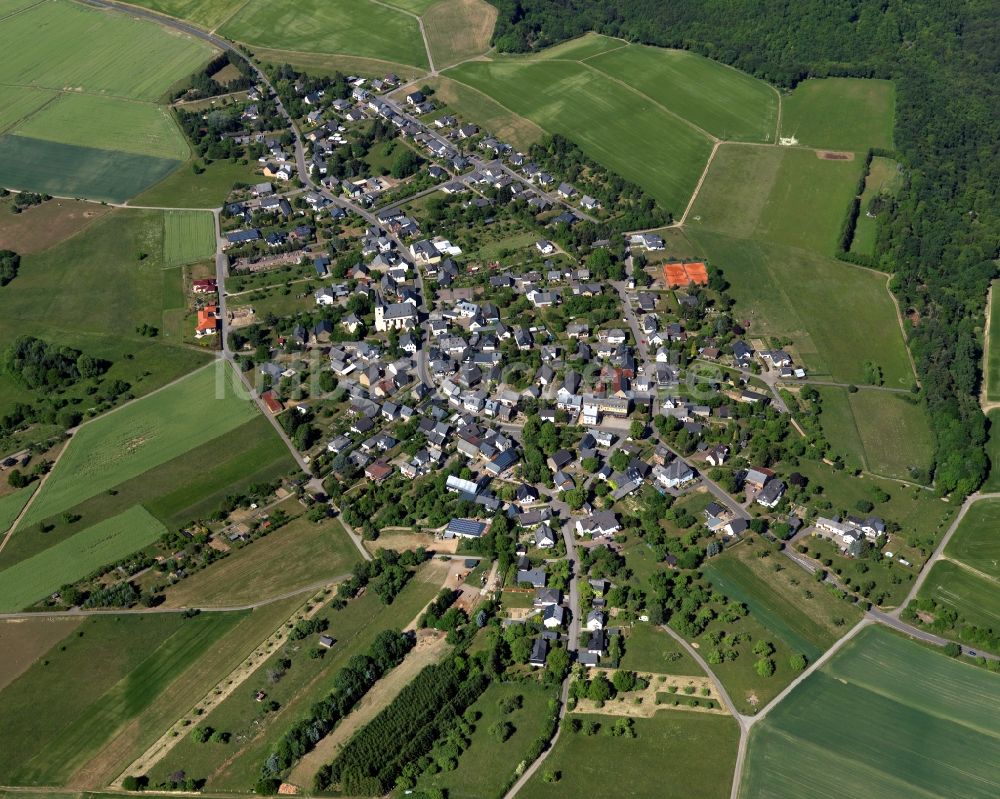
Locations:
{"points": [[613, 124], [418, 7], [350, 27], [725, 102], [884, 177], [487, 763], [207, 14], [23, 641], [788, 292], [675, 755], [92, 121], [188, 236], [804, 622], [17, 103], [70, 43], [477, 107], [976, 542], [841, 113], [930, 728], [65, 707], [125, 443], [774, 194], [237, 766], [308, 552], [68, 561], [12, 504], [582, 48], [65, 170], [992, 364], [974, 597], [458, 29], [102, 137], [182, 188]]}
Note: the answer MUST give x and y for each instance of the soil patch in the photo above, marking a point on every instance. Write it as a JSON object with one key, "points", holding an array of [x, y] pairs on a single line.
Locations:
{"points": [[833, 155]]}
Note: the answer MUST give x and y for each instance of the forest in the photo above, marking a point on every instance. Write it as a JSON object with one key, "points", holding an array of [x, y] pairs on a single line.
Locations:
{"points": [[940, 237]]}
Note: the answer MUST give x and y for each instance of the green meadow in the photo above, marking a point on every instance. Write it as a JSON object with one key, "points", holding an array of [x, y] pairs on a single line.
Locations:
{"points": [[125, 443], [205, 13], [976, 542], [613, 124], [60, 712], [782, 195], [930, 728], [727, 103], [30, 580], [974, 597], [840, 113], [350, 27], [793, 293], [992, 364]]}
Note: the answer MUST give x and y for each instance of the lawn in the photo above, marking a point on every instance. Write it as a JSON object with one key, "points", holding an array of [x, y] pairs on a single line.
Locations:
{"points": [[884, 177], [350, 27], [66, 170], [613, 124], [182, 188], [306, 551], [107, 123], [794, 294], [41, 227], [930, 728], [474, 106], [207, 14], [896, 433], [458, 29], [11, 505], [648, 648], [71, 41], [30, 580], [488, 764], [188, 236], [782, 598], [127, 442], [976, 542], [675, 755], [774, 194], [974, 598], [992, 365], [64, 708], [841, 113], [237, 766], [726, 102]]}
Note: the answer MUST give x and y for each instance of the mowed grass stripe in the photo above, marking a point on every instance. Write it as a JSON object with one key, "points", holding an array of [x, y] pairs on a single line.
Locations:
{"points": [[70, 43], [725, 102], [127, 442], [350, 27], [75, 744], [615, 126], [105, 542], [107, 123], [188, 236], [65, 170]]}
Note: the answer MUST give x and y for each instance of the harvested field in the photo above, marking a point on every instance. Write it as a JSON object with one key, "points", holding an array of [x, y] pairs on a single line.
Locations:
{"points": [[23, 641], [458, 29], [43, 226]]}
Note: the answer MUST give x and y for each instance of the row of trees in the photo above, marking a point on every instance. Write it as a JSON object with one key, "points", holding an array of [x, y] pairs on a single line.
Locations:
{"points": [[349, 684]]}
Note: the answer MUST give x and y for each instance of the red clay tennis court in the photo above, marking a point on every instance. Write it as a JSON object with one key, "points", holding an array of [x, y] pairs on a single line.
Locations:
{"points": [[678, 275]]}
